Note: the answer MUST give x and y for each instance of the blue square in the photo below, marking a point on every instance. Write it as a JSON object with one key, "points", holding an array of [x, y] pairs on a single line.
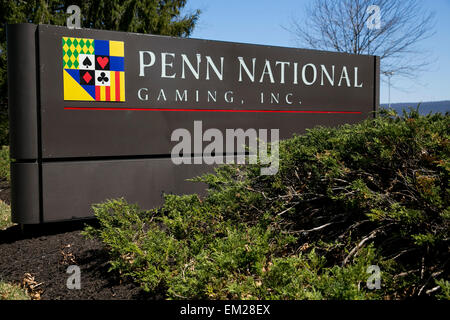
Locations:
{"points": [[101, 47], [116, 63]]}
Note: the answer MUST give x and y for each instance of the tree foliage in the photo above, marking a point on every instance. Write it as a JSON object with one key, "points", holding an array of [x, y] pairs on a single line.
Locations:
{"points": [[163, 17], [374, 193]]}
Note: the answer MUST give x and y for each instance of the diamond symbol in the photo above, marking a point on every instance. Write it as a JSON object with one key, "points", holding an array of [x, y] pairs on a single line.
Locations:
{"points": [[87, 77]]}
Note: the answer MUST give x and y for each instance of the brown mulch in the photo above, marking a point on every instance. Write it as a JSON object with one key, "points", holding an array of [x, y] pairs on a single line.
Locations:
{"points": [[43, 254]]}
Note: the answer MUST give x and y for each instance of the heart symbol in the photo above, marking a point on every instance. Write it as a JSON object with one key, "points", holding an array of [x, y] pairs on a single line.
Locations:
{"points": [[102, 61]]}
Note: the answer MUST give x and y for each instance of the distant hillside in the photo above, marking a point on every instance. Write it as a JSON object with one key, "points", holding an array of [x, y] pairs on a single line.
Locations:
{"points": [[424, 108]]}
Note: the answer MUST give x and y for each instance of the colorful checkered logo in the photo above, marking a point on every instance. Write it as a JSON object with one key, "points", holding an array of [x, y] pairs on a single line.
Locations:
{"points": [[94, 70]]}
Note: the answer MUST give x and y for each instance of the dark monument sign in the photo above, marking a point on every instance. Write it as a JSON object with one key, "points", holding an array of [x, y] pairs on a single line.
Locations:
{"points": [[92, 112]]}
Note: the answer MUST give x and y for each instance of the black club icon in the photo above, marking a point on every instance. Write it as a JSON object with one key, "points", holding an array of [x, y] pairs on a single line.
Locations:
{"points": [[102, 78]]}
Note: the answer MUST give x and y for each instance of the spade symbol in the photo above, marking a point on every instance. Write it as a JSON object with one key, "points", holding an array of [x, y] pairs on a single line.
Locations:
{"points": [[103, 78], [87, 62]]}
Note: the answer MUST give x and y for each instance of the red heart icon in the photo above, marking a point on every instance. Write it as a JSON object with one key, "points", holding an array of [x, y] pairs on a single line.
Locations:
{"points": [[102, 61]]}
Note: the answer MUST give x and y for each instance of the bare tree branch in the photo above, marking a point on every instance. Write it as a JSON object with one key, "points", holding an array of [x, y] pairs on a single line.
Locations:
{"points": [[341, 25]]}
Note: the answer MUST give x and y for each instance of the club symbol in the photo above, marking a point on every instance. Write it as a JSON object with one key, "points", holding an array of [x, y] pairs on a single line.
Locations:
{"points": [[102, 78], [87, 62]]}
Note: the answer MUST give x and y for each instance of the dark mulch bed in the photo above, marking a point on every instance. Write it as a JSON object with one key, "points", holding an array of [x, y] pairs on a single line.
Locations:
{"points": [[46, 251]]}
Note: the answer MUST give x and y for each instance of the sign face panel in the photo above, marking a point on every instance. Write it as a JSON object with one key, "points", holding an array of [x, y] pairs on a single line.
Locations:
{"points": [[115, 96], [123, 94]]}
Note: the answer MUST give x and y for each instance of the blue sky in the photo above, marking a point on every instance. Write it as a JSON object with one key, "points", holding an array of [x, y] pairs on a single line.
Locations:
{"points": [[262, 22]]}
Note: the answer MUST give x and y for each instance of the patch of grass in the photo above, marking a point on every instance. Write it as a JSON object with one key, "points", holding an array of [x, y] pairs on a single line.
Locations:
{"points": [[5, 215], [10, 291], [5, 164]]}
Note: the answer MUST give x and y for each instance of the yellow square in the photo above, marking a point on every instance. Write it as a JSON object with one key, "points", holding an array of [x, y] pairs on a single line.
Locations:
{"points": [[116, 48]]}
